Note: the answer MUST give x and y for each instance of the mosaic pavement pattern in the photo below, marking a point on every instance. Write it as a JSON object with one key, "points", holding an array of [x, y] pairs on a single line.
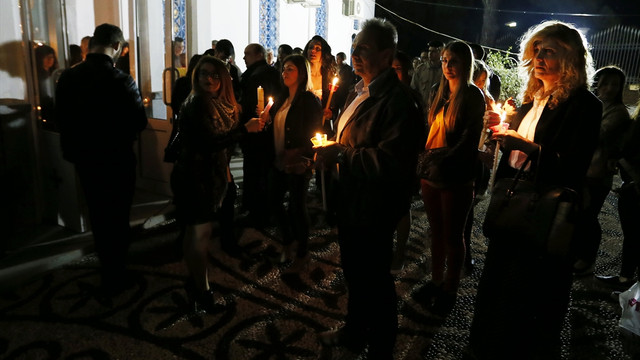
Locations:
{"points": [[271, 310]]}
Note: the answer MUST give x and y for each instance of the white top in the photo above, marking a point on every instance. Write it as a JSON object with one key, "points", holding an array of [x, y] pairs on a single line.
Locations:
{"points": [[527, 129], [278, 132], [363, 94]]}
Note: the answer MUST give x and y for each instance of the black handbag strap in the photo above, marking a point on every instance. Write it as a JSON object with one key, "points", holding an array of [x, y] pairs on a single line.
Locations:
{"points": [[511, 190]]}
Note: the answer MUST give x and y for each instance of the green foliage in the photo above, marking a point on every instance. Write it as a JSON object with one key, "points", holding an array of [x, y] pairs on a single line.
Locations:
{"points": [[506, 66]]}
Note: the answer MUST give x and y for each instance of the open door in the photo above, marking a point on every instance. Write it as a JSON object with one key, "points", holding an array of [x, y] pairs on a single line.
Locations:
{"points": [[157, 74]]}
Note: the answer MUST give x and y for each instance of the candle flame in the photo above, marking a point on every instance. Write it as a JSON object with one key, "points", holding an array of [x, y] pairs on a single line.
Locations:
{"points": [[335, 81], [270, 99]]}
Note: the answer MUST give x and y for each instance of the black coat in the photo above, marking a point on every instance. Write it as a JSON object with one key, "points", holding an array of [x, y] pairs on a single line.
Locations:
{"points": [[380, 145], [459, 164], [258, 74], [100, 111], [567, 135], [303, 120]]}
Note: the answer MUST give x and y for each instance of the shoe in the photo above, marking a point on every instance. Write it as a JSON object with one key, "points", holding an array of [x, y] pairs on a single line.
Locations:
{"points": [[616, 282], [396, 269], [615, 296], [426, 295], [444, 303], [468, 267], [201, 300], [583, 268], [234, 250], [343, 337]]}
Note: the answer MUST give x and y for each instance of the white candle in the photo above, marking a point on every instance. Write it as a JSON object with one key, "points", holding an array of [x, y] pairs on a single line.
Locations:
{"points": [[260, 99]]}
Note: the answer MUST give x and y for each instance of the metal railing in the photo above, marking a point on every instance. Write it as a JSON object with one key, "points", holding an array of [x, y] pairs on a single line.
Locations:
{"points": [[620, 46]]}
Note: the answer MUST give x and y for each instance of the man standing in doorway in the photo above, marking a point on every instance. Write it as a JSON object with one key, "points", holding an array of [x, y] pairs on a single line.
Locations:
{"points": [[428, 74], [378, 138], [101, 114]]}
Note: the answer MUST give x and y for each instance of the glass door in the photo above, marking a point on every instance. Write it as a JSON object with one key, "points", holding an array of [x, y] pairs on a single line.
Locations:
{"points": [[159, 66]]}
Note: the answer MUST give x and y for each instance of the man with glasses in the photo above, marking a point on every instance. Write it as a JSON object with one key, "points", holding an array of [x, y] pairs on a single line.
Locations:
{"points": [[427, 76]]}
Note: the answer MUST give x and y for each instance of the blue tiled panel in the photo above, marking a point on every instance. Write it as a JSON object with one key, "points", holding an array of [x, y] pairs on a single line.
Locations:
{"points": [[269, 15], [321, 20], [179, 19]]}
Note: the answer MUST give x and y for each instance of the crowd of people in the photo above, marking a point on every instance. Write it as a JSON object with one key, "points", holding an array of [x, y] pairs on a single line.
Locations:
{"points": [[387, 115]]}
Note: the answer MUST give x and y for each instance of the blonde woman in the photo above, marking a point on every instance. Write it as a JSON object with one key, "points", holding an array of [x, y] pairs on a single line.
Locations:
{"points": [[557, 126]]}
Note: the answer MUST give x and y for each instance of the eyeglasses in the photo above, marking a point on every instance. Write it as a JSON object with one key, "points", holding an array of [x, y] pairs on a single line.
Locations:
{"points": [[205, 73], [451, 61]]}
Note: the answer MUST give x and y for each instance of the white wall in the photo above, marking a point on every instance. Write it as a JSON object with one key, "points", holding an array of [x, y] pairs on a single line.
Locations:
{"points": [[230, 20], [79, 22], [295, 27], [12, 70]]}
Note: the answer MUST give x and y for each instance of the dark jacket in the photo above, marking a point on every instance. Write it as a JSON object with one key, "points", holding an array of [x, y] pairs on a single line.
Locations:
{"points": [[200, 174], [303, 120], [459, 163], [380, 143], [615, 122], [258, 74], [567, 135], [100, 111]]}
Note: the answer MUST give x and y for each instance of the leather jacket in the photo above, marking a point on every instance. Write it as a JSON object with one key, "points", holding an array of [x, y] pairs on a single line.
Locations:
{"points": [[100, 111], [379, 144]]}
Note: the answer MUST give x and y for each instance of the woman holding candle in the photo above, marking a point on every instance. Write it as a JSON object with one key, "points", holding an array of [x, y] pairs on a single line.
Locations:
{"points": [[455, 121], [201, 181], [296, 117], [523, 294], [323, 71]]}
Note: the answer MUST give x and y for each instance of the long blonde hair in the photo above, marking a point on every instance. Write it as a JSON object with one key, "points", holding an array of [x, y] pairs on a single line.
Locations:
{"points": [[576, 68], [463, 52]]}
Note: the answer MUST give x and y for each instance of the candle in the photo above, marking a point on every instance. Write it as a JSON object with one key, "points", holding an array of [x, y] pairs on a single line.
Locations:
{"points": [[319, 139], [269, 104], [332, 89], [260, 99]]}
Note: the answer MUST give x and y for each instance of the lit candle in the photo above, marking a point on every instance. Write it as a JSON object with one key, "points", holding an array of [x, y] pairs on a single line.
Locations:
{"points": [[319, 139], [332, 89], [269, 104], [260, 99]]}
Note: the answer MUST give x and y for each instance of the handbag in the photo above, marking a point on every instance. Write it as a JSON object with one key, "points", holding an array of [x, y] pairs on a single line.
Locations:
{"points": [[542, 218], [429, 162], [172, 150]]}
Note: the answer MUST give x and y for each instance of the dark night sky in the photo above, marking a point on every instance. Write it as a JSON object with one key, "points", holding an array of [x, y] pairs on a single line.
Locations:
{"points": [[463, 18]]}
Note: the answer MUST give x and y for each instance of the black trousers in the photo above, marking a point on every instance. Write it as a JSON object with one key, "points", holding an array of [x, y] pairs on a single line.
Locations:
{"points": [[522, 300], [108, 188], [629, 211], [589, 230], [294, 220], [366, 252], [256, 163]]}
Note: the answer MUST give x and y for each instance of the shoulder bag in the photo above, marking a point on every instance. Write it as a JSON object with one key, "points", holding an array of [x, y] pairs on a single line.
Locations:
{"points": [[520, 210]]}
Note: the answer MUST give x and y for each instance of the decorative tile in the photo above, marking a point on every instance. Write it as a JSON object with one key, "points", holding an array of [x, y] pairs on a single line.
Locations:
{"points": [[269, 14], [321, 19]]}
